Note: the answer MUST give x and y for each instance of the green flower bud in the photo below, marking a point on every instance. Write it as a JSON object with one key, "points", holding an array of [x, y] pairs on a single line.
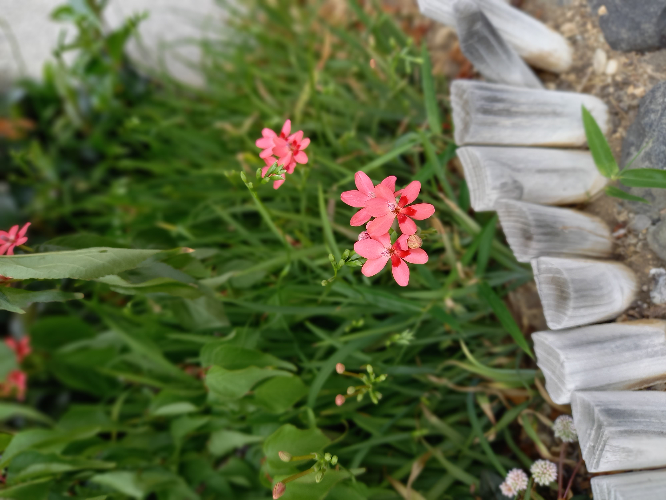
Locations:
{"points": [[319, 476], [327, 457], [334, 460], [284, 456]]}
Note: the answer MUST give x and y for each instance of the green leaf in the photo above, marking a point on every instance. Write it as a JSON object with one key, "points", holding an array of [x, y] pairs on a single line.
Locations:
{"points": [[7, 305], [11, 410], [158, 285], [644, 177], [234, 384], [34, 490], [623, 195], [476, 426], [486, 237], [306, 488], [429, 95], [223, 441], [280, 393], [232, 357], [173, 409], [601, 151], [295, 441], [87, 264], [504, 316], [125, 482], [20, 298]]}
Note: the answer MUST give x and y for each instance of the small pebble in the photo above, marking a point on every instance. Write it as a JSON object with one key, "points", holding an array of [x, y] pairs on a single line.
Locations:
{"points": [[599, 61], [612, 66], [640, 223], [658, 288], [602, 10]]}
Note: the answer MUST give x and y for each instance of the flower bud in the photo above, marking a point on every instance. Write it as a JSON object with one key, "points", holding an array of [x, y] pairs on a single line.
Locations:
{"points": [[414, 241], [334, 460], [369, 369], [339, 400], [340, 368], [351, 390], [319, 476], [278, 490], [284, 456], [327, 457]]}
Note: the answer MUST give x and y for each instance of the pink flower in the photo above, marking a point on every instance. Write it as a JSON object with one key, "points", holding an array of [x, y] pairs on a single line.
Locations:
{"points": [[290, 150], [21, 348], [365, 193], [339, 400], [17, 381], [267, 140], [13, 238], [385, 208], [378, 251]]}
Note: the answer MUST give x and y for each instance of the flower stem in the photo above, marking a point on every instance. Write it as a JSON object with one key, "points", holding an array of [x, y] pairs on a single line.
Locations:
{"points": [[299, 475], [309, 456], [560, 479], [26, 248], [573, 476]]}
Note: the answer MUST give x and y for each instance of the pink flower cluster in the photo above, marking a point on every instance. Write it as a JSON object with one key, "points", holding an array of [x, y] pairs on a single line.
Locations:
{"points": [[13, 238], [17, 380], [386, 205], [287, 149]]}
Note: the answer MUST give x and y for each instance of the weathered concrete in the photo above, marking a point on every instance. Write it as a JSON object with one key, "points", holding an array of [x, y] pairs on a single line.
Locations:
{"points": [[163, 36]]}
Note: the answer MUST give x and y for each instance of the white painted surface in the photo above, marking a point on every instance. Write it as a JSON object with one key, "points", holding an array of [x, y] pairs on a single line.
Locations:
{"points": [[163, 40]]}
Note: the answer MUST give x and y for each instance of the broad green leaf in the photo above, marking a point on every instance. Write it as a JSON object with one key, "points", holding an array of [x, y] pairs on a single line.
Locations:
{"points": [[295, 441], [125, 482], [158, 285], [429, 95], [223, 441], [52, 332], [281, 393], [306, 488], [20, 298], [7, 361], [204, 313], [623, 195], [601, 151], [186, 424], [34, 490], [87, 264], [504, 316], [7, 305], [11, 410], [644, 177], [234, 384], [46, 441], [34, 465], [173, 409], [232, 357]]}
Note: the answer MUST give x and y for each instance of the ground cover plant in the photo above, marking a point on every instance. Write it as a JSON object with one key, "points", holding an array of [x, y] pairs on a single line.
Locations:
{"points": [[188, 329]]}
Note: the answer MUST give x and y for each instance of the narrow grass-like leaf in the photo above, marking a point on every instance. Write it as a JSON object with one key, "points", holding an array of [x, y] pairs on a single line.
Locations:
{"points": [[485, 246], [616, 192], [430, 97], [503, 314], [601, 151], [644, 177]]}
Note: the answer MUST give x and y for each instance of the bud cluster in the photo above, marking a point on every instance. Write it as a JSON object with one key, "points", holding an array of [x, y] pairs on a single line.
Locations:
{"points": [[370, 381], [349, 259], [323, 462]]}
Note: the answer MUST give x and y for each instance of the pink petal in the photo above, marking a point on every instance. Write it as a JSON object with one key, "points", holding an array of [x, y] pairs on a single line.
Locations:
{"points": [[12, 232], [401, 242], [378, 207], [421, 211], [301, 158], [266, 153], [384, 239], [4, 235], [354, 198], [281, 150], [297, 136], [411, 191], [381, 225], [270, 161], [291, 167], [407, 225], [5, 247], [360, 218], [416, 256], [264, 142], [21, 241], [389, 182], [264, 170], [277, 184], [286, 128], [10, 250], [363, 183], [370, 249], [373, 266], [382, 191], [304, 144], [286, 159], [268, 133], [400, 271]]}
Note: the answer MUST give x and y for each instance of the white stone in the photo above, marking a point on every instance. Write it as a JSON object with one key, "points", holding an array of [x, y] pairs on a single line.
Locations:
{"points": [[645, 485]]}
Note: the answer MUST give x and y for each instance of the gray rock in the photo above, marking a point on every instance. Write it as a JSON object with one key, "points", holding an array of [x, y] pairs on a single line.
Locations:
{"points": [[657, 239], [658, 286], [632, 24], [640, 223], [487, 50], [647, 136]]}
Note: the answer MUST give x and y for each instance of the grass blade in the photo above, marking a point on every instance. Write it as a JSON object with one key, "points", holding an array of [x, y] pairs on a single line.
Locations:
{"points": [[644, 177], [623, 195], [601, 151]]}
